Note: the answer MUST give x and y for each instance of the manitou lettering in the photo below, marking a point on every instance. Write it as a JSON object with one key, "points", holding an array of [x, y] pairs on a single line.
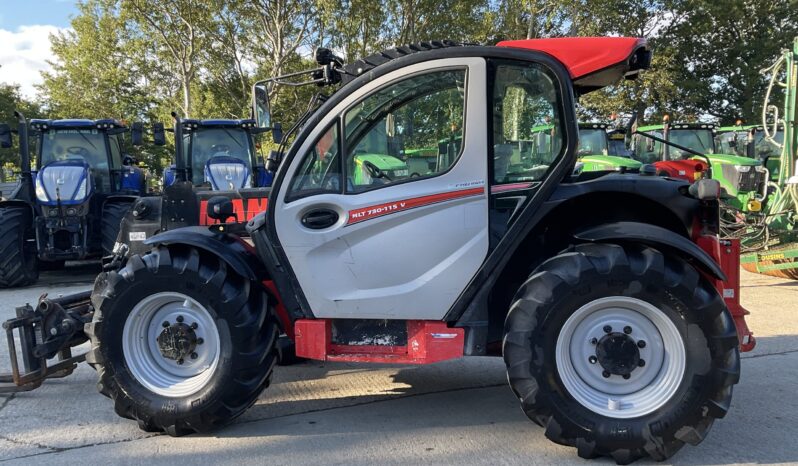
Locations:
{"points": [[245, 210]]}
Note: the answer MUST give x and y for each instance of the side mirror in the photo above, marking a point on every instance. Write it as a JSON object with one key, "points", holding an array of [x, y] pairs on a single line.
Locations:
{"points": [[260, 105], [158, 134], [5, 136], [277, 133], [221, 208], [137, 134]]}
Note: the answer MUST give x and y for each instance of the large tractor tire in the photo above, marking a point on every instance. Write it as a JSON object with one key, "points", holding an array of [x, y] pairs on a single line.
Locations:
{"points": [[113, 213], [180, 342], [621, 351], [18, 256]]}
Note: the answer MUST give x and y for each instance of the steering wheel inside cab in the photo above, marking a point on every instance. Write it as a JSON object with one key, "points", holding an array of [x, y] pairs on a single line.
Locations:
{"points": [[77, 153], [376, 173]]}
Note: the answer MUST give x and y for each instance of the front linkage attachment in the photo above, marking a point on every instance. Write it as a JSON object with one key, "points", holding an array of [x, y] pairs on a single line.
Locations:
{"points": [[47, 335]]}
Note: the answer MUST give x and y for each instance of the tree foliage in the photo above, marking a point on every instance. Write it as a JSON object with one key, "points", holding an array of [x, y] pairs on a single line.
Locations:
{"points": [[141, 59]]}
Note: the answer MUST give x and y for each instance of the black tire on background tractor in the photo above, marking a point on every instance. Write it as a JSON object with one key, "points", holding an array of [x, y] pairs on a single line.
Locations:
{"points": [[550, 352], [18, 256], [244, 334], [112, 215], [51, 265]]}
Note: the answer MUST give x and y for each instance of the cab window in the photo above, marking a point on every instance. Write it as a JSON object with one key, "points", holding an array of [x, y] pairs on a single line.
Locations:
{"points": [[411, 129], [527, 129], [320, 169]]}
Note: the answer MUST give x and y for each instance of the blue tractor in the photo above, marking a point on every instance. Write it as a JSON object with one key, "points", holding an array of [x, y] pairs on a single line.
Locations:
{"points": [[220, 155], [69, 207], [216, 170]]}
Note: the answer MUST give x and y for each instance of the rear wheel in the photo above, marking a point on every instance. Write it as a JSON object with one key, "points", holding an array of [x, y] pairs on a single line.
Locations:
{"points": [[18, 255], [181, 343], [621, 352], [113, 213]]}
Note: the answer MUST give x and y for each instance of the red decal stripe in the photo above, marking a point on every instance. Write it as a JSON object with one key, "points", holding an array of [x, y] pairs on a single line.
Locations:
{"points": [[508, 187], [367, 213]]}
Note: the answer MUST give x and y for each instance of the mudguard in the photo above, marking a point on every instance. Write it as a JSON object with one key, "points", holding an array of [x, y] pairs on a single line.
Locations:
{"points": [[230, 248], [653, 236]]}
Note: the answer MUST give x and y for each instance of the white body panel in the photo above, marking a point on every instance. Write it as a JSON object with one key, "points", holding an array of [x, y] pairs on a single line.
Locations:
{"points": [[411, 264]]}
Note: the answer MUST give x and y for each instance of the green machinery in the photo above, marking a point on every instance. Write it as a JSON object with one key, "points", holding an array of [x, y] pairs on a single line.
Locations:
{"points": [[750, 141], [594, 150], [743, 179], [770, 238]]}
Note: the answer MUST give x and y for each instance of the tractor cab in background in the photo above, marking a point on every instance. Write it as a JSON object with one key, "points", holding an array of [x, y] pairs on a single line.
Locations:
{"points": [[750, 141], [687, 151], [220, 155], [594, 150]]}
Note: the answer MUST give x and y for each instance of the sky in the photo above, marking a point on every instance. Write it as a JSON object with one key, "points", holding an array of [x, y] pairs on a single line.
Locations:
{"points": [[25, 28]]}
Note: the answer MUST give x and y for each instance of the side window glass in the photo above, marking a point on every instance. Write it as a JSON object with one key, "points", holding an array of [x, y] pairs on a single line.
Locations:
{"points": [[320, 169], [527, 131], [409, 129]]}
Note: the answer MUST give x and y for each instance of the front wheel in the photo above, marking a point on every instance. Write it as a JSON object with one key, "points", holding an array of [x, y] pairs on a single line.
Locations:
{"points": [[621, 351], [113, 213], [180, 342], [18, 255]]}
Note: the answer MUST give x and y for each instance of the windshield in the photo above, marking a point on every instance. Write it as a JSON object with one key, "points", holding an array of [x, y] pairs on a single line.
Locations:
{"points": [[765, 147], [87, 145], [699, 140], [592, 141], [733, 143], [206, 143]]}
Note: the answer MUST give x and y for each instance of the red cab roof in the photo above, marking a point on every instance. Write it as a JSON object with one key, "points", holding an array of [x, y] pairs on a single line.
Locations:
{"points": [[586, 56]]}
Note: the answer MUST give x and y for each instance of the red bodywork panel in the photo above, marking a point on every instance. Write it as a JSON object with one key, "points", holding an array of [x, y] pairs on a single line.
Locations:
{"points": [[427, 342], [582, 55], [687, 170], [727, 254]]}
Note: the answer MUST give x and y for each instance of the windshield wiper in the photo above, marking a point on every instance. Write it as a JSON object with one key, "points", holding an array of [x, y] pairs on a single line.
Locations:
{"points": [[87, 140], [232, 137]]}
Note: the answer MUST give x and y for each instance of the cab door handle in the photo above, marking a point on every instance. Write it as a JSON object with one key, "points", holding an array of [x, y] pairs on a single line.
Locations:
{"points": [[318, 219]]}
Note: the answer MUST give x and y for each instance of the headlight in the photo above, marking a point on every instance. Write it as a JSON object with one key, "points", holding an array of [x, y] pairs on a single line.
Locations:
{"points": [[743, 168], [72, 211], [41, 194], [760, 169], [81, 192]]}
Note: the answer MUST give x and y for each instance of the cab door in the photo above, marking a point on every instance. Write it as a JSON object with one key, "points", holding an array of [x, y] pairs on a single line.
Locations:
{"points": [[384, 211]]}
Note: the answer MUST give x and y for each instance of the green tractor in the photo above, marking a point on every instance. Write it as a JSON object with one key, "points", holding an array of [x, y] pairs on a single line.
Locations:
{"points": [[750, 141], [690, 153], [594, 150], [769, 239]]}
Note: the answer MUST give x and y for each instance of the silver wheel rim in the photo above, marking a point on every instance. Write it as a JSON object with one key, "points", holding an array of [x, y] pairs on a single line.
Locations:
{"points": [[648, 387], [143, 356]]}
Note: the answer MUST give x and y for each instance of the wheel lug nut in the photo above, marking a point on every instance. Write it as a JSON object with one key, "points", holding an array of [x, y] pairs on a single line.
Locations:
{"points": [[627, 330], [641, 363], [626, 376], [606, 374], [200, 341], [179, 318], [193, 355], [165, 324], [593, 341], [194, 325], [180, 362], [641, 344], [592, 359], [607, 329]]}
